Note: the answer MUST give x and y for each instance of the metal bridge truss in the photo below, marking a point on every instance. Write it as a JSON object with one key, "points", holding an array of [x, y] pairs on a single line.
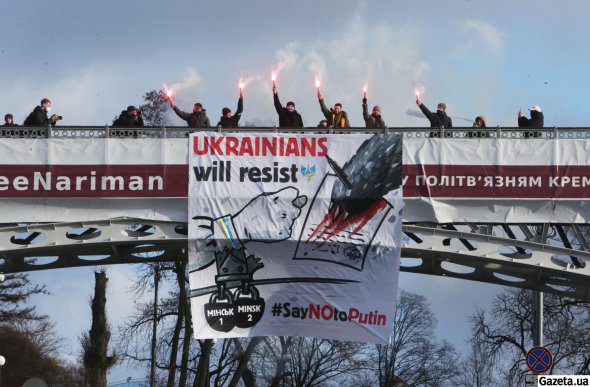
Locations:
{"points": [[546, 257]]}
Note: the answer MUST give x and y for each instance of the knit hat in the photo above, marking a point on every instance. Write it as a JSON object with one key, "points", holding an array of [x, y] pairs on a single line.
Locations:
{"points": [[131, 108], [443, 106], [198, 104], [225, 110], [535, 108], [376, 107], [291, 103]]}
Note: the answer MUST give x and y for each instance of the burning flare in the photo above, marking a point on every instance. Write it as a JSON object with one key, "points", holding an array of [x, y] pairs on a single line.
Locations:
{"points": [[168, 92]]}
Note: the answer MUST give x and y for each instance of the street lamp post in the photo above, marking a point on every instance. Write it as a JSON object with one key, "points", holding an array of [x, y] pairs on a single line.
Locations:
{"points": [[2, 362]]}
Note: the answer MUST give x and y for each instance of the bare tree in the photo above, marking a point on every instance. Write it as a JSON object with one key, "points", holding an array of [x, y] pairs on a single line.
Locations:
{"points": [[413, 356], [477, 367], [15, 292], [506, 333], [42, 334], [24, 358], [95, 343], [298, 361]]}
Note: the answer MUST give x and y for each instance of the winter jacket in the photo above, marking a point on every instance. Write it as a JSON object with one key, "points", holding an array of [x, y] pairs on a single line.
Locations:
{"points": [[126, 121], [438, 119], [339, 120], [287, 119], [232, 122], [38, 117], [194, 119], [536, 120], [371, 121]]}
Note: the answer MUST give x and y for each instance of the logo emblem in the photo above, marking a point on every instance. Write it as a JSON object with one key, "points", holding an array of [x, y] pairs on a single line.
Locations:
{"points": [[308, 171]]}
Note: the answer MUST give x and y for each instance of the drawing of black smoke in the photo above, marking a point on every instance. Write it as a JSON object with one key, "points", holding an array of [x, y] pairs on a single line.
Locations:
{"points": [[370, 174]]}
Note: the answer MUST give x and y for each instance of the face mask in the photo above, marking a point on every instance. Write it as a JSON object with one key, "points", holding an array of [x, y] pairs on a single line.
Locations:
{"points": [[290, 109], [48, 109]]}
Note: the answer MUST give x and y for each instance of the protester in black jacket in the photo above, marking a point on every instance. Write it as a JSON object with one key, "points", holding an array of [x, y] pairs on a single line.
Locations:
{"points": [[228, 120], [438, 119], [9, 120], [39, 117], [536, 121], [197, 119], [373, 120], [288, 116], [129, 118]]}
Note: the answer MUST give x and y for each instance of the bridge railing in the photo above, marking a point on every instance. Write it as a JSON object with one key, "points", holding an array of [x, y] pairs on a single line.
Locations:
{"points": [[183, 132]]}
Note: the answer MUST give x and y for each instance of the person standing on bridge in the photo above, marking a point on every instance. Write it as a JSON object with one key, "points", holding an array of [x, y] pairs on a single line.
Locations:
{"points": [[228, 120], [129, 118], [288, 116], [373, 120], [536, 121], [9, 120], [479, 122], [197, 119], [336, 117], [39, 116], [438, 119]]}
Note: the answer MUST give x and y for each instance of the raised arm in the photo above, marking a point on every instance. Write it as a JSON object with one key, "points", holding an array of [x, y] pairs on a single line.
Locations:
{"points": [[327, 113], [240, 108], [278, 106], [365, 110], [184, 115], [425, 110]]}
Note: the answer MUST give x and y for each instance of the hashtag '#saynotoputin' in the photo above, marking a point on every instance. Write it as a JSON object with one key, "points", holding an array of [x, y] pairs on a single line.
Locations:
{"points": [[277, 309]]}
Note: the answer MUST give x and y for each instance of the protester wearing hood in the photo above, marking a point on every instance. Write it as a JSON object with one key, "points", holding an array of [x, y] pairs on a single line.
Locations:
{"points": [[129, 118], [197, 119], [336, 117], [479, 122], [373, 120], [288, 116], [9, 120], [39, 116], [228, 120], [438, 119]]}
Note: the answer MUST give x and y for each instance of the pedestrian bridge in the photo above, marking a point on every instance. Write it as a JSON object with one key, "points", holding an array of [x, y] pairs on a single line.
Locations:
{"points": [[517, 241]]}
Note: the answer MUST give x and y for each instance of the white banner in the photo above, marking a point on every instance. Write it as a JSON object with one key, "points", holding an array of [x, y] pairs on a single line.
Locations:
{"points": [[295, 235], [445, 180], [497, 181]]}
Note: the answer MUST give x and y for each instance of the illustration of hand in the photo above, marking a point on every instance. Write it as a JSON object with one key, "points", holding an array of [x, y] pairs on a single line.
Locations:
{"points": [[269, 216]]}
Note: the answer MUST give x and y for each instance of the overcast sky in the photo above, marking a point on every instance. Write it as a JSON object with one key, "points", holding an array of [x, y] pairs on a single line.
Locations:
{"points": [[92, 59], [480, 57]]}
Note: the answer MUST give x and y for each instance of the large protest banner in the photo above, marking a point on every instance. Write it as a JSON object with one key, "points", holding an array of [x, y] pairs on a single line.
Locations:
{"points": [[293, 234], [80, 179], [448, 180], [497, 180]]}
